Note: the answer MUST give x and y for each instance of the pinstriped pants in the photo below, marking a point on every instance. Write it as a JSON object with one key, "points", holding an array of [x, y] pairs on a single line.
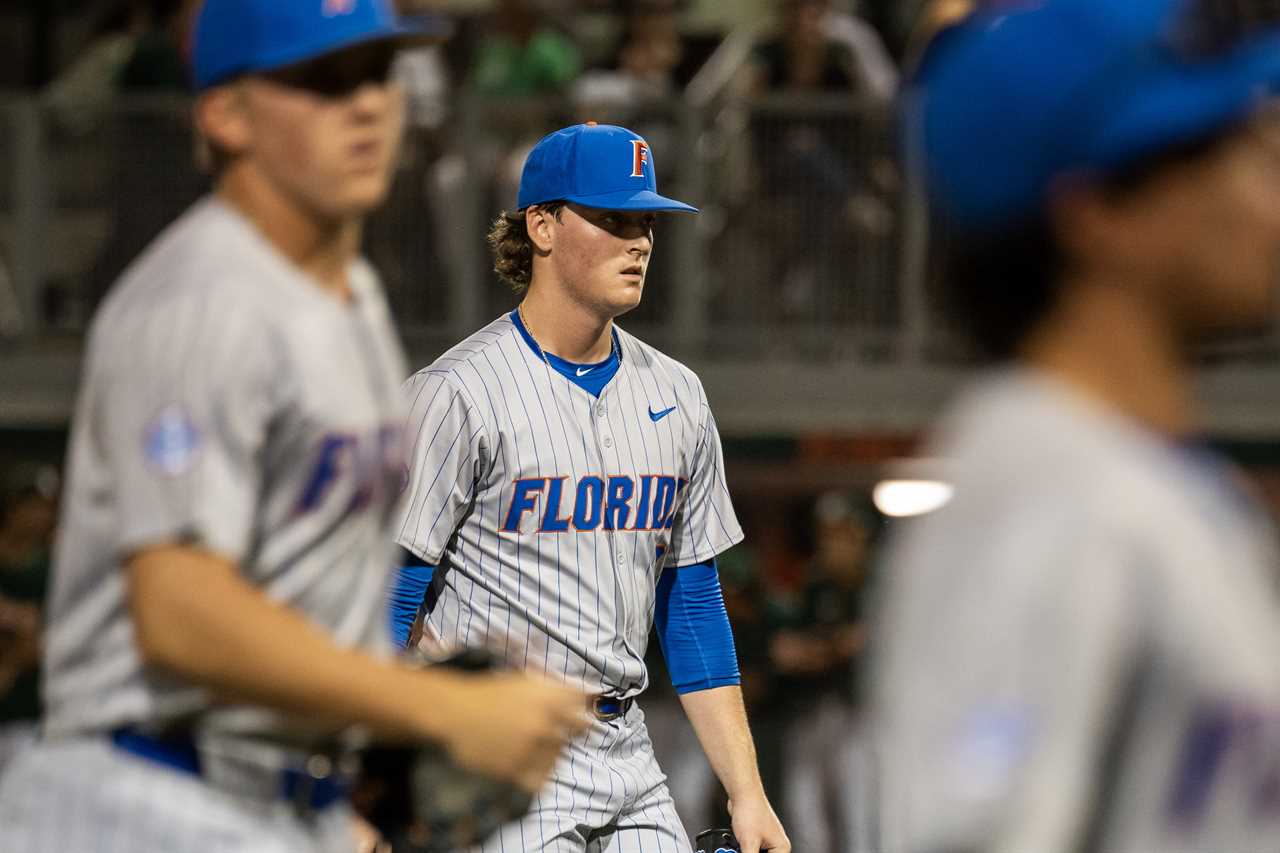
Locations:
{"points": [[73, 795], [607, 794], [14, 739]]}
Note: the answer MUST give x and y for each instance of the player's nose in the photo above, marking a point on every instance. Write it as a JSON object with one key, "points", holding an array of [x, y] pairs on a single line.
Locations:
{"points": [[372, 99], [642, 241]]}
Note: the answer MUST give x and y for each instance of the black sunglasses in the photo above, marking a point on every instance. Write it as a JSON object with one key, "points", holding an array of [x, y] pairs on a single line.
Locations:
{"points": [[337, 75]]}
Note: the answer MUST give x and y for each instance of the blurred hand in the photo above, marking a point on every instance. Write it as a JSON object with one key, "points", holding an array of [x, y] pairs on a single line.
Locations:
{"points": [[757, 827], [513, 726]]}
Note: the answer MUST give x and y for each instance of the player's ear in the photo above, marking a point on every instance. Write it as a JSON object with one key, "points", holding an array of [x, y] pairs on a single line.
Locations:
{"points": [[222, 119], [1083, 219], [539, 222]]}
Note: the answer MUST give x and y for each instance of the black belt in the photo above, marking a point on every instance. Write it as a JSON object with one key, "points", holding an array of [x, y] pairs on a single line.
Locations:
{"points": [[306, 788], [608, 708]]}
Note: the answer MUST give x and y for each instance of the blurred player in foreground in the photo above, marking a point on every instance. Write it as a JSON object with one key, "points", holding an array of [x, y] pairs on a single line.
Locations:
{"points": [[567, 484], [1082, 650], [216, 624]]}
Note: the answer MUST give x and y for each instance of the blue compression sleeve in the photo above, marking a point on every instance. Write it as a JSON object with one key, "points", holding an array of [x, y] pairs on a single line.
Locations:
{"points": [[693, 629], [408, 589]]}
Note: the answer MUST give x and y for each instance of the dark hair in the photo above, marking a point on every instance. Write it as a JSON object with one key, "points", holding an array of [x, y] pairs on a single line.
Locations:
{"points": [[997, 286], [512, 247]]}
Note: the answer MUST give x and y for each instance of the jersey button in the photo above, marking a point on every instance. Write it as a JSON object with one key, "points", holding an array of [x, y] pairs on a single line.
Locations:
{"points": [[608, 441], [622, 558], [600, 410]]}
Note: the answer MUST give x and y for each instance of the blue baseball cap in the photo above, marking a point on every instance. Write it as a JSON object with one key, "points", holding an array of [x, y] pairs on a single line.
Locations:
{"points": [[234, 37], [595, 165], [1027, 91]]}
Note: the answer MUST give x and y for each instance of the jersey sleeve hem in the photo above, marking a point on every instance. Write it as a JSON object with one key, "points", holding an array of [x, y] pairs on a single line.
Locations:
{"points": [[424, 554], [706, 552], [179, 536]]}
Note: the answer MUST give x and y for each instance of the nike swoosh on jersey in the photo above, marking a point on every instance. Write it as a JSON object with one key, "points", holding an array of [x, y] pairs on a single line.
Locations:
{"points": [[657, 416], [583, 371]]}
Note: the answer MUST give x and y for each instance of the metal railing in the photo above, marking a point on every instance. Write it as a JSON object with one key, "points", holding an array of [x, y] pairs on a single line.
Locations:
{"points": [[809, 246], [797, 247]]}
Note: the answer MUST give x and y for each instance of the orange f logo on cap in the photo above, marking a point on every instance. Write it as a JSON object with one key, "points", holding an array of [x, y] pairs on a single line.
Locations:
{"points": [[640, 152]]}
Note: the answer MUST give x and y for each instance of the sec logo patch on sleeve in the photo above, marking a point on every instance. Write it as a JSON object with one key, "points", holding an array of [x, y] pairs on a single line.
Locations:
{"points": [[171, 441]]}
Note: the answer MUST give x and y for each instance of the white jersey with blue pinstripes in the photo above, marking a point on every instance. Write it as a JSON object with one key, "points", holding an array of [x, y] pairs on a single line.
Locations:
{"points": [[230, 403], [551, 513], [1078, 653]]}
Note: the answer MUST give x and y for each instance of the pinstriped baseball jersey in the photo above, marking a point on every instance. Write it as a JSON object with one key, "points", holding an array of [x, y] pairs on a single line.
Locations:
{"points": [[231, 403], [551, 513]]}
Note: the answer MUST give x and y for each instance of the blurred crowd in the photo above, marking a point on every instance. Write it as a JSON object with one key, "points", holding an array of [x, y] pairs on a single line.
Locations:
{"points": [[142, 43], [805, 184], [28, 514]]}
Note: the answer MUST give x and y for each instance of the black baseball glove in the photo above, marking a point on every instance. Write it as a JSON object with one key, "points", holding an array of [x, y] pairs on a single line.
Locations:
{"points": [[717, 841], [422, 802]]}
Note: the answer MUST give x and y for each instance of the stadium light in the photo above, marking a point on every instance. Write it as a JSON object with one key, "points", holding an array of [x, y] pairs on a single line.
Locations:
{"points": [[912, 487]]}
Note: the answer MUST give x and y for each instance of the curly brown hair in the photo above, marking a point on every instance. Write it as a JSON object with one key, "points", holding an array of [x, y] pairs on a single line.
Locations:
{"points": [[512, 248]]}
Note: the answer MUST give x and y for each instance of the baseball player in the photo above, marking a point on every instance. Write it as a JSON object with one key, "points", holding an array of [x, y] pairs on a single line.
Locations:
{"points": [[566, 492], [216, 621], [1081, 651]]}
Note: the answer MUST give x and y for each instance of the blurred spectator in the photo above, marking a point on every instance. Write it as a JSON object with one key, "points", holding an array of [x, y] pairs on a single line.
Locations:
{"points": [[825, 173], [159, 60], [28, 509], [139, 46], [522, 66], [410, 238], [522, 53], [151, 145], [828, 774], [425, 76], [819, 49], [648, 63], [78, 96], [636, 86], [892, 19]]}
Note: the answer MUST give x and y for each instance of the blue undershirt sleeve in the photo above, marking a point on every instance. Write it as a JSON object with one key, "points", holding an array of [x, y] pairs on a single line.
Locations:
{"points": [[693, 628], [408, 589]]}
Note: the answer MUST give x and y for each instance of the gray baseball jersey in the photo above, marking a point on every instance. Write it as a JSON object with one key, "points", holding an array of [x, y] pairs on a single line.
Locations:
{"points": [[551, 513], [1082, 650], [230, 403]]}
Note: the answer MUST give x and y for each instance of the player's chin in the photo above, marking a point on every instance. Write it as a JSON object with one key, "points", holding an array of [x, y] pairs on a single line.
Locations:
{"points": [[360, 196], [626, 298]]}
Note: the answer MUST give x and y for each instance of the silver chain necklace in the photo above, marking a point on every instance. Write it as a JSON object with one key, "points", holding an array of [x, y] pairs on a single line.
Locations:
{"points": [[613, 345], [528, 329]]}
